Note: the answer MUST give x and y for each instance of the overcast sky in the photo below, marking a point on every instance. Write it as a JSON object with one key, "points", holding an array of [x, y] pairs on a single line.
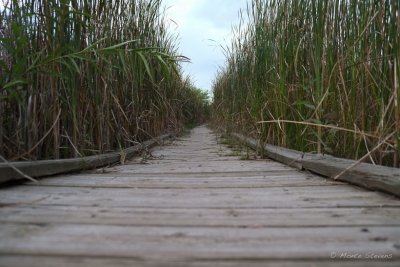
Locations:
{"points": [[203, 26]]}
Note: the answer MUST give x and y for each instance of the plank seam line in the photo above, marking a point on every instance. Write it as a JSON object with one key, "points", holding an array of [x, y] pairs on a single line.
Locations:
{"points": [[207, 207], [189, 226]]}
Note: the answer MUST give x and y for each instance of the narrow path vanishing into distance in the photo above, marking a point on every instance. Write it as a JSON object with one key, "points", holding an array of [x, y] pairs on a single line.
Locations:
{"points": [[195, 202]]}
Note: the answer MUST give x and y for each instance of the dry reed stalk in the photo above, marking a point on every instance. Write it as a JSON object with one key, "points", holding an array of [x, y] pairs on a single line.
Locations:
{"points": [[322, 62], [110, 66]]}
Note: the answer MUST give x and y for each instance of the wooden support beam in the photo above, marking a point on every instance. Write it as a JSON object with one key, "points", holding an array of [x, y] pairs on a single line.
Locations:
{"points": [[42, 168], [373, 177]]}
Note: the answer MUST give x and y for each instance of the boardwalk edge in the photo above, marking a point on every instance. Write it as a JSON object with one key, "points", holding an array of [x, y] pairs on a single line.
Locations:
{"points": [[366, 175], [41, 168]]}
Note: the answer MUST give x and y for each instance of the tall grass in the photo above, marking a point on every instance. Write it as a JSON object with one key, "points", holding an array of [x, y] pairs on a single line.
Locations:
{"points": [[325, 63], [196, 107], [81, 77]]}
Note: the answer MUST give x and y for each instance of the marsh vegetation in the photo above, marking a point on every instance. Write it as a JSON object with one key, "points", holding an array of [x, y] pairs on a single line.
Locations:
{"points": [[85, 77], [316, 76]]}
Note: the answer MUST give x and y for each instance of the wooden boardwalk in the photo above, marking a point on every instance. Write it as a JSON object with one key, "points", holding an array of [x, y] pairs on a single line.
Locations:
{"points": [[194, 204]]}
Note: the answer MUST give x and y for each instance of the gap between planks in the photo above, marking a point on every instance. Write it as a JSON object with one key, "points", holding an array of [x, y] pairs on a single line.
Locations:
{"points": [[270, 225]]}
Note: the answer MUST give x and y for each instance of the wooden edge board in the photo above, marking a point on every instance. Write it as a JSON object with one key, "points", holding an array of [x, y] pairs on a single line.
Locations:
{"points": [[373, 177], [42, 168]]}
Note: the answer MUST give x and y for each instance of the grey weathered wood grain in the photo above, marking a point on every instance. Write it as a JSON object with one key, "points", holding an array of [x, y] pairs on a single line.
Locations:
{"points": [[330, 196], [209, 167], [366, 175], [187, 181], [191, 205], [194, 243], [42, 168], [233, 217], [43, 261]]}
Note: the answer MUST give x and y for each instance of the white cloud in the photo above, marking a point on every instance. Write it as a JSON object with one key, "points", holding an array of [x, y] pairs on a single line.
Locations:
{"points": [[180, 10], [203, 26]]}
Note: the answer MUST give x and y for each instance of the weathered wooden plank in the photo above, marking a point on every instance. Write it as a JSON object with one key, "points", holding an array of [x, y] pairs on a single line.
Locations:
{"points": [[237, 166], [197, 243], [231, 217], [51, 261], [226, 164], [222, 174], [42, 168], [287, 156], [366, 175], [138, 181], [329, 196], [201, 212]]}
